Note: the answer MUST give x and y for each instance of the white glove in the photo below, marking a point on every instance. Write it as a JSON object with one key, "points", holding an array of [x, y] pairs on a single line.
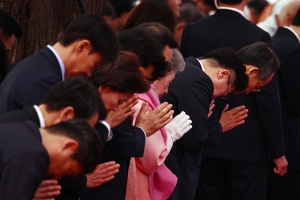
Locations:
{"points": [[179, 126]]}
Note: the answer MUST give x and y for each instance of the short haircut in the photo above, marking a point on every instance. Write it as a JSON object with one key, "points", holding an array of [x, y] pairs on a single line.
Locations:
{"points": [[89, 150], [177, 62], [3, 61], [231, 2], [144, 13], [121, 6], [189, 13], [226, 58], [257, 5], [261, 56], [160, 33], [124, 77], [79, 93], [108, 10], [8, 26], [296, 20], [91, 27], [146, 48]]}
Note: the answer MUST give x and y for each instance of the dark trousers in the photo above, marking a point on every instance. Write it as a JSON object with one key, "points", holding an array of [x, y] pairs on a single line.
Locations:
{"points": [[222, 179], [285, 187]]}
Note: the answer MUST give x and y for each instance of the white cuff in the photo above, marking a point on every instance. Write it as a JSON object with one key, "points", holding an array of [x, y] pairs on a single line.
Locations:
{"points": [[142, 130], [110, 133]]}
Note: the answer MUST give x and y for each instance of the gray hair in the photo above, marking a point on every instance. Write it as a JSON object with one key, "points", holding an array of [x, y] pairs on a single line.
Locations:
{"points": [[177, 62]]}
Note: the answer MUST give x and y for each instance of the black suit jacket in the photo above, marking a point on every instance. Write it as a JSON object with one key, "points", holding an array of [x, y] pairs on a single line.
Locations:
{"points": [[23, 161], [191, 91], [29, 81], [23, 115], [226, 28], [286, 45], [262, 132], [127, 142]]}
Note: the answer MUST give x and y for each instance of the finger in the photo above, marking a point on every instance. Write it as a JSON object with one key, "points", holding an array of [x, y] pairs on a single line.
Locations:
{"points": [[144, 108], [49, 189], [187, 129], [46, 194], [238, 109], [160, 108], [165, 112], [226, 107], [48, 182], [106, 164], [165, 120], [130, 105]]}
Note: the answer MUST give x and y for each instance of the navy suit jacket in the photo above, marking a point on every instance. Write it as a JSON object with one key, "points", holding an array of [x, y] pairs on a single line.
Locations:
{"points": [[29, 81], [191, 91], [23, 161], [23, 115], [286, 46], [127, 142], [262, 131]]}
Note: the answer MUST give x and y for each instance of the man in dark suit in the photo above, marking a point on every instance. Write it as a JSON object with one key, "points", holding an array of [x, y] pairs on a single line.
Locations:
{"points": [[84, 43], [29, 154], [285, 44], [129, 141], [214, 75], [228, 28]]}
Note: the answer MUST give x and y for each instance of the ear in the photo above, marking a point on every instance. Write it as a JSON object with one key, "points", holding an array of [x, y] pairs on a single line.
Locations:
{"points": [[180, 26], [67, 113], [69, 145], [251, 70], [101, 88], [83, 45], [223, 74]]}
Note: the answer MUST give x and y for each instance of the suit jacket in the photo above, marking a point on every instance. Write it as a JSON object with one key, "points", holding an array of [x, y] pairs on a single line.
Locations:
{"points": [[287, 48], [191, 91], [226, 28], [262, 132], [23, 161], [29, 81], [127, 142], [23, 115]]}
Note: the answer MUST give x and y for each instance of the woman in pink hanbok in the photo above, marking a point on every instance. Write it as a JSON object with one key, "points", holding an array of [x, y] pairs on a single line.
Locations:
{"points": [[148, 177]]}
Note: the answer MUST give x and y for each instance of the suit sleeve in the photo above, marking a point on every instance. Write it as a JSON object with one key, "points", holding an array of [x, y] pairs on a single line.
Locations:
{"points": [[22, 175], [290, 74], [269, 107], [128, 141], [195, 102], [266, 38]]}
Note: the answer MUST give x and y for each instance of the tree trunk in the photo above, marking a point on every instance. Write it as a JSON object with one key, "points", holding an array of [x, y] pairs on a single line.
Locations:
{"points": [[41, 21]]}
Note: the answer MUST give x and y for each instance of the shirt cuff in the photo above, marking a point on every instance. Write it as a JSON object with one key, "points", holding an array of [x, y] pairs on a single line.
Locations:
{"points": [[110, 134], [142, 130]]}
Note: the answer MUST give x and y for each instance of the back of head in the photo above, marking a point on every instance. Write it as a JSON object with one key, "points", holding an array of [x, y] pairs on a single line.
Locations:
{"points": [[3, 61], [80, 94], [8, 26], [227, 59], [144, 13], [261, 56], [107, 10], [146, 48], [257, 5], [89, 150], [124, 77], [231, 2], [177, 62], [121, 6], [91, 27], [189, 13], [160, 33], [287, 12], [296, 20]]}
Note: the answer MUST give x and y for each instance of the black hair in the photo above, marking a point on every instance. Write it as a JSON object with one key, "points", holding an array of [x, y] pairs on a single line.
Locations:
{"points": [[296, 20], [108, 10], [261, 56], [89, 150], [9, 26], [257, 5], [231, 2], [80, 94], [226, 58], [3, 61], [146, 48], [144, 13], [124, 77], [189, 13], [121, 6], [91, 27]]}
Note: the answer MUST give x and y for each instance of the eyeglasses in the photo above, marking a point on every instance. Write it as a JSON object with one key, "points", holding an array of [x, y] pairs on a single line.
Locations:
{"points": [[227, 91]]}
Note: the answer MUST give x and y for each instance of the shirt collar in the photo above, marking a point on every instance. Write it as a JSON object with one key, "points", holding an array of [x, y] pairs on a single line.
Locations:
{"points": [[40, 115], [61, 64], [201, 65], [233, 9], [293, 32]]}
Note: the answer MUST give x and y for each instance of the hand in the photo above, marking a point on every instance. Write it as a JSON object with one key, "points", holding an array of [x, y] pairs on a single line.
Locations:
{"points": [[103, 173], [281, 165], [155, 119], [233, 117], [179, 126], [211, 107], [115, 117], [47, 190]]}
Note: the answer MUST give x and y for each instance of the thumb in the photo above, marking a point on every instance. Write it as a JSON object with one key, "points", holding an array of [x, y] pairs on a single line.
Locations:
{"points": [[226, 108]]}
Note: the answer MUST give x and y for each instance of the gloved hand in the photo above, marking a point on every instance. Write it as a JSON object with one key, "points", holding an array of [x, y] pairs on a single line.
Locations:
{"points": [[178, 126]]}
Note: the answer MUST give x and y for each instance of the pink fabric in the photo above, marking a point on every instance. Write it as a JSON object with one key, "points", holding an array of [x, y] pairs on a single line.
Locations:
{"points": [[160, 180]]}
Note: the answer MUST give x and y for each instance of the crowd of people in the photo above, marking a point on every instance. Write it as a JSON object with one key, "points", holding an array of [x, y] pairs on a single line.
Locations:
{"points": [[157, 99]]}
